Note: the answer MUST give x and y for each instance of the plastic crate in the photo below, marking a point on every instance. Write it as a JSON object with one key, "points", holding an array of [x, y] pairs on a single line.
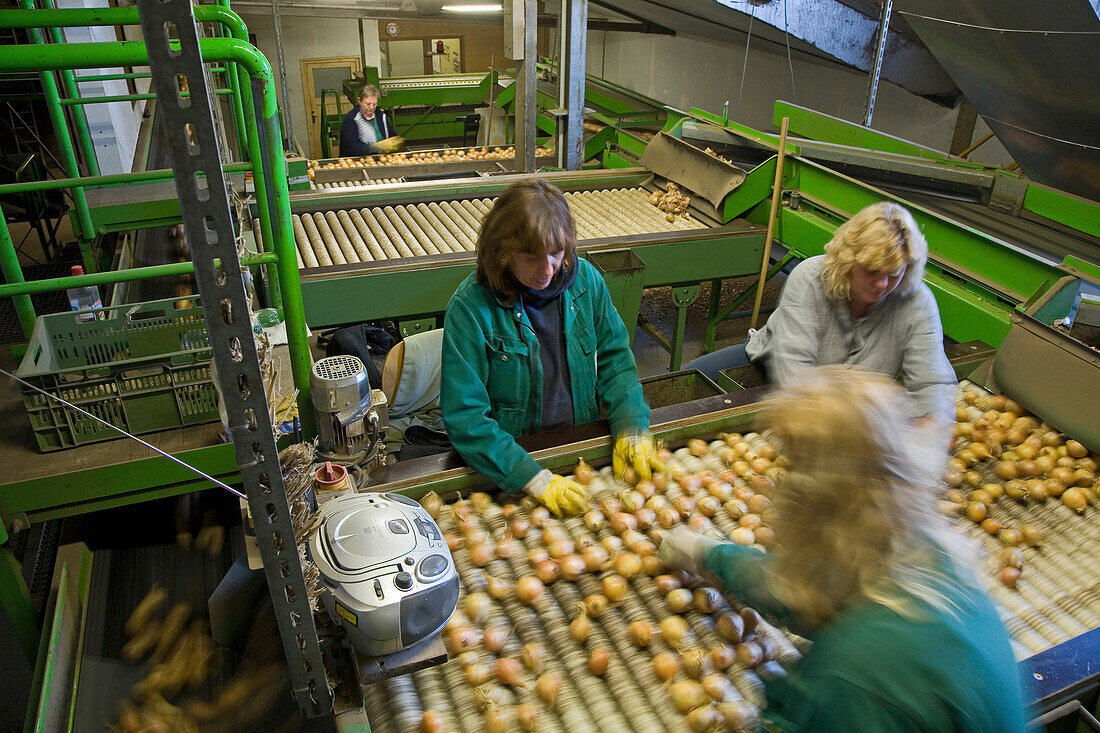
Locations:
{"points": [[143, 367]]}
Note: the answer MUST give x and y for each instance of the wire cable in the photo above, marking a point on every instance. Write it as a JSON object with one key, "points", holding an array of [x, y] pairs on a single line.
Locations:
{"points": [[1001, 30], [790, 64], [745, 65]]}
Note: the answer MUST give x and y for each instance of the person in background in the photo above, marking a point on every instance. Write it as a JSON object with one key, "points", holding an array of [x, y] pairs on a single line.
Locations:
{"points": [[903, 637], [532, 342], [366, 129], [862, 303]]}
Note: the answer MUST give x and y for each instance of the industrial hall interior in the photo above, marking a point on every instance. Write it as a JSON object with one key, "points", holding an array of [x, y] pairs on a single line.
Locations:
{"points": [[549, 365]]}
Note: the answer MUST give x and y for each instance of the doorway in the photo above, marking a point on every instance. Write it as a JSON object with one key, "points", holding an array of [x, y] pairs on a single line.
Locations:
{"points": [[320, 74]]}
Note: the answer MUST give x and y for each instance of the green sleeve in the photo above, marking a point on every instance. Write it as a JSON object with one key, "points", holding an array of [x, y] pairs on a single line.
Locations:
{"points": [[617, 384], [831, 704], [743, 573], [464, 397]]}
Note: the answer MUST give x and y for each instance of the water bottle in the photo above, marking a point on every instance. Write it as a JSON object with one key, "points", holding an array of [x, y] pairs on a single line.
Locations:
{"points": [[83, 298]]}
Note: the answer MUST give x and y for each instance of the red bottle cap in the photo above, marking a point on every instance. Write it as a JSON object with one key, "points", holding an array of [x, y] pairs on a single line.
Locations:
{"points": [[77, 270]]}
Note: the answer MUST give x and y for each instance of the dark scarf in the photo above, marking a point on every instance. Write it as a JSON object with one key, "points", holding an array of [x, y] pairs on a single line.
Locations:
{"points": [[544, 309]]}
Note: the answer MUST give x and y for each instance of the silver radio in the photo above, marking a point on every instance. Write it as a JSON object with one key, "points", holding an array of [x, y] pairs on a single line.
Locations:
{"points": [[388, 576]]}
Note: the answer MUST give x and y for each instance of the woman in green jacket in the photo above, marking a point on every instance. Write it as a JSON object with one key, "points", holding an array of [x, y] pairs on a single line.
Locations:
{"points": [[903, 637], [531, 342]]}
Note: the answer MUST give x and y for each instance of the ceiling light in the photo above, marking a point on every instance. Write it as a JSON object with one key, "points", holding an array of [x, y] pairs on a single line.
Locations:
{"points": [[489, 8]]}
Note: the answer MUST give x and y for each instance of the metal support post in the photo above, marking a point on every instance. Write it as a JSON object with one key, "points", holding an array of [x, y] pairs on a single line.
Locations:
{"points": [[876, 63], [80, 119], [682, 297], [208, 222], [68, 154], [526, 102], [572, 30]]}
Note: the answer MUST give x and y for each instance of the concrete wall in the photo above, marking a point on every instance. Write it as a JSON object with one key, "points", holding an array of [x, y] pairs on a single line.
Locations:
{"points": [[687, 72]]}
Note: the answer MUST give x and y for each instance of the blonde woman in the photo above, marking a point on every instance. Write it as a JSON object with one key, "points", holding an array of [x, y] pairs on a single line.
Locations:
{"points": [[861, 303], [903, 637]]}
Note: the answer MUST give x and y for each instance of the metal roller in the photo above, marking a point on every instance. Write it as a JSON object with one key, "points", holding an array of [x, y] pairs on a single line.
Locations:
{"points": [[441, 242], [341, 237], [427, 238], [453, 212], [361, 250], [329, 239], [373, 246], [444, 218], [389, 248], [390, 217], [306, 258], [315, 244]]}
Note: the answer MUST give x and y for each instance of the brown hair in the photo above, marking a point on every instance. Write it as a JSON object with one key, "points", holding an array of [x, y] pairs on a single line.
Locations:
{"points": [[530, 217], [370, 90], [882, 237], [854, 513]]}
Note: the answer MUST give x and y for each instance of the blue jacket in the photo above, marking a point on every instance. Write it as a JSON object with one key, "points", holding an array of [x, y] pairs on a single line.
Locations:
{"points": [[492, 374], [351, 144]]}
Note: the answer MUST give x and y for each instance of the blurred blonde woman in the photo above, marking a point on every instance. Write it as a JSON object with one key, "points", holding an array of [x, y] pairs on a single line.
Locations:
{"points": [[861, 303], [903, 637]]}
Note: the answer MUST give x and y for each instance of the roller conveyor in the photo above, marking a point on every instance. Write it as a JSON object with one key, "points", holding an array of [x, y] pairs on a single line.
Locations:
{"points": [[410, 230]]}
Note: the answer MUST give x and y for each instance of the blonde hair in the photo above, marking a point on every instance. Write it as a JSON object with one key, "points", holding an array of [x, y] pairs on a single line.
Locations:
{"points": [[854, 515], [882, 237], [530, 217]]}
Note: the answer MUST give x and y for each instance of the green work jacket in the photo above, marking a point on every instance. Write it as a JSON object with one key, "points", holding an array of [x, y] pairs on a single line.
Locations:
{"points": [[872, 669], [492, 374]]}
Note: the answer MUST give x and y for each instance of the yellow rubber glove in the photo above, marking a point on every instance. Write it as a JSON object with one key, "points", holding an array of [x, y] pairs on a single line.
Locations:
{"points": [[560, 495], [390, 144], [637, 452]]}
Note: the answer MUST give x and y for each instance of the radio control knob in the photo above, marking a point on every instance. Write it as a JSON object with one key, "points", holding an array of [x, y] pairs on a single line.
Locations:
{"points": [[403, 580]]}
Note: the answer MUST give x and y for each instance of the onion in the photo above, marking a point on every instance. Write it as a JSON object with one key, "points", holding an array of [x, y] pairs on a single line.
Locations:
{"points": [[646, 518], [660, 480], [598, 661], [498, 719], [559, 548], [700, 523], [644, 548], [739, 715], [765, 536], [478, 674], [736, 508], [742, 536], [758, 503], [717, 686], [708, 600], [632, 501], [627, 564], [572, 567], [1011, 536], [976, 511], [547, 571], [611, 506], [519, 527], [694, 662], [508, 511], [495, 638], [623, 521], [684, 504], [750, 521], [595, 605], [668, 517], [593, 520], [582, 474], [1075, 499], [630, 476], [640, 633], [653, 565], [431, 503], [431, 721], [673, 630], [547, 687], [478, 606], [1032, 535], [454, 541], [537, 554], [722, 656], [749, 654], [612, 543], [1010, 557], [504, 546], [580, 627], [991, 525], [528, 589], [708, 506], [703, 719], [497, 588], [527, 714], [614, 587], [665, 665], [464, 638], [539, 515], [698, 447], [510, 672], [1075, 449], [647, 489], [480, 501], [594, 558], [1009, 576], [731, 627], [688, 694], [720, 490], [751, 619], [679, 600], [531, 655], [666, 584], [480, 554]]}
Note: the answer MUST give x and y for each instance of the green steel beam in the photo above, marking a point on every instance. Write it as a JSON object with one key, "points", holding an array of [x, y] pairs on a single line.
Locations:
{"points": [[756, 187], [761, 138], [83, 490], [113, 77], [15, 601], [80, 119], [111, 179], [79, 101], [805, 122], [1072, 211]]}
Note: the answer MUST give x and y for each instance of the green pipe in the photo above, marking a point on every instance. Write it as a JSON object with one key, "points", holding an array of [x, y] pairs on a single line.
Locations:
{"points": [[115, 77], [236, 81], [220, 13], [119, 276], [110, 179], [133, 53], [65, 143], [75, 101], [80, 119], [13, 274]]}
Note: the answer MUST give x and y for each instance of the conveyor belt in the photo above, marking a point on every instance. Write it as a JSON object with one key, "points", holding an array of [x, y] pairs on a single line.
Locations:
{"points": [[353, 184], [391, 232]]}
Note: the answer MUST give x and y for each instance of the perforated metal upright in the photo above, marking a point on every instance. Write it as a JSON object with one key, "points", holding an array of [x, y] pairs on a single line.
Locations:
{"points": [[176, 64]]}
